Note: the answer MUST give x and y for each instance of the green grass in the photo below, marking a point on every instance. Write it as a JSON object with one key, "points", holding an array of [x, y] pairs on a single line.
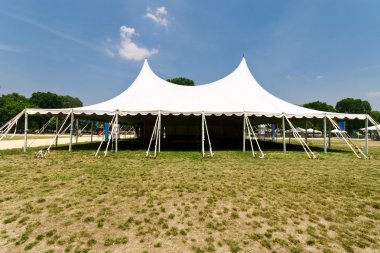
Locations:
{"points": [[179, 202]]}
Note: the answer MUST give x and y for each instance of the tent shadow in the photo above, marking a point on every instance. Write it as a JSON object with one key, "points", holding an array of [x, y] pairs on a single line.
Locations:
{"points": [[191, 145]]}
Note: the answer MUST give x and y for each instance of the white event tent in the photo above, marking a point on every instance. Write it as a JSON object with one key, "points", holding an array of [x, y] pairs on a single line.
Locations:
{"points": [[237, 94]]}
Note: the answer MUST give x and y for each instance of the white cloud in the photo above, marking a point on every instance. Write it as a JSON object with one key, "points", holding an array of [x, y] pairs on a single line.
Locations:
{"points": [[373, 94], [10, 48], [159, 16], [52, 30], [319, 77], [130, 50], [109, 52]]}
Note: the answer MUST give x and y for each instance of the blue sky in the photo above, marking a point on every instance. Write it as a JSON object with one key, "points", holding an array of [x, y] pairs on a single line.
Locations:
{"points": [[300, 51]]}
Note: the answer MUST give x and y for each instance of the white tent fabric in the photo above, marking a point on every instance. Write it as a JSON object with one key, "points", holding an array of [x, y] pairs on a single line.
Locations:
{"points": [[335, 131], [235, 94], [311, 131], [371, 128]]}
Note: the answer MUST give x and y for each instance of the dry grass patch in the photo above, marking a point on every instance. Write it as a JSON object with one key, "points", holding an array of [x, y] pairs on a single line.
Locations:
{"points": [[182, 203]]}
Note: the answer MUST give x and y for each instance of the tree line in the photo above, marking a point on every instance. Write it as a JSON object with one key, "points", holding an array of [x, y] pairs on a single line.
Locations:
{"points": [[14, 103], [346, 105]]}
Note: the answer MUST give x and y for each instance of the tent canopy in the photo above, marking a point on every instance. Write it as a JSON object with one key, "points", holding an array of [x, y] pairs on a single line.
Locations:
{"points": [[236, 94]]}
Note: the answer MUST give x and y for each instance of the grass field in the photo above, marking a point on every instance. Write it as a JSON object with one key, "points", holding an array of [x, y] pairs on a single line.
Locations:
{"points": [[179, 202]]}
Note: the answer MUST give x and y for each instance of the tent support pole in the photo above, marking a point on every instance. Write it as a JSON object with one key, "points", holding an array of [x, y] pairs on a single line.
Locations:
{"points": [[159, 132], [56, 131], [324, 135], [117, 128], [203, 134], [283, 133], [91, 130], [329, 144], [244, 132], [366, 136], [71, 131], [26, 131], [77, 130]]}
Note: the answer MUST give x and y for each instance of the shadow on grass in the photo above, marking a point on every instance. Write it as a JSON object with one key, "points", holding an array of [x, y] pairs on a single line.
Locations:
{"points": [[191, 145]]}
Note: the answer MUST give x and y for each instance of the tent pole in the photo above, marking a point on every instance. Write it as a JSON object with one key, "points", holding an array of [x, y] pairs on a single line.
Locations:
{"points": [[366, 135], [56, 131], [159, 132], [324, 134], [117, 128], [244, 132], [26, 131], [305, 131], [71, 131], [329, 144], [283, 133], [203, 134], [91, 129], [77, 130]]}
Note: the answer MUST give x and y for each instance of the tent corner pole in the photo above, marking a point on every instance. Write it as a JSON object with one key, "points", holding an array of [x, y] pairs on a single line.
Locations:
{"points": [[366, 135], [71, 131], [26, 131], [77, 131], [283, 132], [92, 123], [203, 134], [324, 134], [244, 131], [117, 130], [159, 131], [56, 131]]}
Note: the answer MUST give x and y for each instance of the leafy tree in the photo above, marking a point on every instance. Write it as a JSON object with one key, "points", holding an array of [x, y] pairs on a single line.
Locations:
{"points": [[11, 105], [46, 100], [71, 102], [352, 105], [321, 106], [181, 81], [376, 115]]}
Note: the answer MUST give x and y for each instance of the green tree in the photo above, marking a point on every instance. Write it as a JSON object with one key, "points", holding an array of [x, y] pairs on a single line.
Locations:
{"points": [[71, 102], [46, 100], [352, 105], [11, 105], [376, 115], [320, 106], [181, 81], [316, 105]]}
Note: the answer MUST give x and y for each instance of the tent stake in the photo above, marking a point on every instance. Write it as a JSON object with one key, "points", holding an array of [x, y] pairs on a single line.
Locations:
{"points": [[26, 131], [71, 131], [283, 132]]}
